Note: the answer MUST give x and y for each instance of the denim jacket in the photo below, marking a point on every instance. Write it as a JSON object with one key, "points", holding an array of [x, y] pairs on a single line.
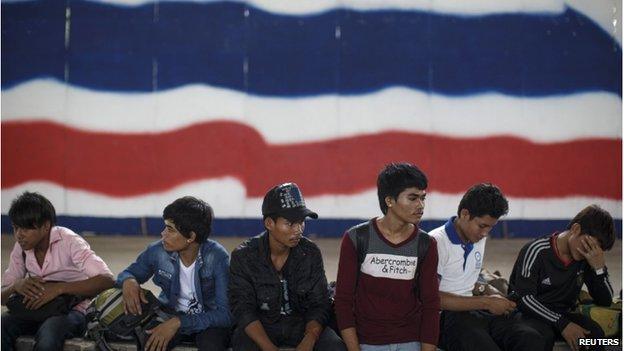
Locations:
{"points": [[211, 279]]}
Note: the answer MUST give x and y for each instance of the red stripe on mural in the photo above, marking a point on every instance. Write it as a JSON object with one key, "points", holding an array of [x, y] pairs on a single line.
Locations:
{"points": [[133, 164]]}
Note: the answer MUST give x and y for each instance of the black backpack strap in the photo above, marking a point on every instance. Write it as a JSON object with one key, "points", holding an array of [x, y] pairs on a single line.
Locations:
{"points": [[361, 242], [424, 241]]}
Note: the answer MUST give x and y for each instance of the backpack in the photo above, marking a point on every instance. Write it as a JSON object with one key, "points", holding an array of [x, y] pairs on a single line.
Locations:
{"points": [[106, 320], [609, 318], [362, 231]]}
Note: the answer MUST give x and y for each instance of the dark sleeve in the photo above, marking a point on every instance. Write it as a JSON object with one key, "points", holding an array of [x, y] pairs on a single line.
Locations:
{"points": [[141, 270], [527, 278], [346, 284], [430, 297], [599, 287], [241, 292], [318, 297]]}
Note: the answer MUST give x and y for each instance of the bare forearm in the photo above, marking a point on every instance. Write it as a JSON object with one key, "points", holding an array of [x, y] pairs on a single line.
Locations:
{"points": [[427, 347], [313, 330], [88, 287], [256, 332], [452, 302], [349, 336], [6, 292]]}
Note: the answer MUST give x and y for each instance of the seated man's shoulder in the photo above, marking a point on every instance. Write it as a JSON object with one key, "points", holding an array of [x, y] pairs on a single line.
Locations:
{"points": [[213, 247], [309, 247], [69, 238], [438, 233], [247, 247], [156, 248], [66, 233]]}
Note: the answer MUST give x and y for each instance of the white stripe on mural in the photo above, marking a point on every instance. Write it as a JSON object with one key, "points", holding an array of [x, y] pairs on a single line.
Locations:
{"points": [[228, 197], [546, 119]]}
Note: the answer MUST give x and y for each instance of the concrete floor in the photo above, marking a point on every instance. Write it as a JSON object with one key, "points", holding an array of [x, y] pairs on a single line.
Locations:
{"points": [[120, 251]]}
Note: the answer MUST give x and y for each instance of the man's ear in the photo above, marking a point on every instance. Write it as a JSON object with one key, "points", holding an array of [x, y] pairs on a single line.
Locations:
{"points": [[47, 226], [269, 223], [192, 236], [464, 214], [389, 201], [575, 229]]}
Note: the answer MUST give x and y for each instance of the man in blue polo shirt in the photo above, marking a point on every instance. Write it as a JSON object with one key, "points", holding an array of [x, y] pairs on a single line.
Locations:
{"points": [[471, 322]]}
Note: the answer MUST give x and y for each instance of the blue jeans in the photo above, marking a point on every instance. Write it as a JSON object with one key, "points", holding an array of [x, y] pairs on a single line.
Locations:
{"points": [[49, 335], [406, 346]]}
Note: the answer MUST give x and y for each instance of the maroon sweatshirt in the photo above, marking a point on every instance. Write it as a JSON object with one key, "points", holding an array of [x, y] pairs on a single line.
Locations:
{"points": [[382, 305]]}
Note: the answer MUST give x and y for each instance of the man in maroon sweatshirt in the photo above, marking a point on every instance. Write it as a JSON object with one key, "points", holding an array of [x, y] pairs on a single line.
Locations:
{"points": [[387, 297]]}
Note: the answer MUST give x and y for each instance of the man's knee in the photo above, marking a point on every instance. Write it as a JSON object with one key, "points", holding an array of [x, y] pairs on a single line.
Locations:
{"points": [[53, 331], [529, 338], [48, 341], [214, 339], [242, 342], [330, 341], [595, 330]]}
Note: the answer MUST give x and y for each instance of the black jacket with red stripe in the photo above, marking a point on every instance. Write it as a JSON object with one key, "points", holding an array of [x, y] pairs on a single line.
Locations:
{"points": [[546, 287]]}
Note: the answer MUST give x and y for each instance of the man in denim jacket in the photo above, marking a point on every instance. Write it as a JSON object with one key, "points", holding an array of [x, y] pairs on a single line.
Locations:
{"points": [[192, 272]]}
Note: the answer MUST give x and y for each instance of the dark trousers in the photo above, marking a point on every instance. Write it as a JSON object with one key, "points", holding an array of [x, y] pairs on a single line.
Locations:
{"points": [[481, 330], [211, 339], [49, 334], [547, 329], [288, 332]]}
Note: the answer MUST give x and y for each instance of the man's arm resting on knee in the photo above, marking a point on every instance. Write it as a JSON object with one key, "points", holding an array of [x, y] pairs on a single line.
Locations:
{"points": [[256, 332], [349, 336], [6, 292], [494, 304], [313, 330], [88, 287]]}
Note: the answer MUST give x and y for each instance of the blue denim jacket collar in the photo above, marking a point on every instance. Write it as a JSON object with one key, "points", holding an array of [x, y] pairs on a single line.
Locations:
{"points": [[174, 292]]}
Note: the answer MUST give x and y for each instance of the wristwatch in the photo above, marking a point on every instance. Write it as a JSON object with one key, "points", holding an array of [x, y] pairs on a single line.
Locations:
{"points": [[600, 271]]}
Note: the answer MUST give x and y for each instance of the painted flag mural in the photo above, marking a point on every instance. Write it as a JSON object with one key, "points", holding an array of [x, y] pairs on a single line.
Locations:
{"points": [[113, 109]]}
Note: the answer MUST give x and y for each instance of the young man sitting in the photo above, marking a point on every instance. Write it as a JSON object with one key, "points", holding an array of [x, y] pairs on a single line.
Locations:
{"points": [[192, 272], [389, 299], [475, 322], [550, 271], [278, 289], [46, 262]]}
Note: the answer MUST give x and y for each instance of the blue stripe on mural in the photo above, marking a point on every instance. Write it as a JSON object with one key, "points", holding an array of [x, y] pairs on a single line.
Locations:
{"points": [[326, 228], [166, 45]]}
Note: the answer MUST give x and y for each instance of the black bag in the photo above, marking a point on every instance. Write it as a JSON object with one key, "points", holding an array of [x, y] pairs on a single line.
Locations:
{"points": [[60, 305]]}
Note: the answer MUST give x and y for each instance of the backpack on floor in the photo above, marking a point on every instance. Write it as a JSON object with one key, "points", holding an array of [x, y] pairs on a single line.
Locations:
{"points": [[609, 318], [106, 320]]}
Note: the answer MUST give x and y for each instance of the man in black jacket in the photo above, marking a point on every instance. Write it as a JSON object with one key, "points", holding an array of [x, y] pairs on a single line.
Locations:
{"points": [[550, 271], [278, 289]]}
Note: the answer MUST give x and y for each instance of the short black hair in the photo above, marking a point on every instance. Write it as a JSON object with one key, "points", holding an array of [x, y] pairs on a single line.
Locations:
{"points": [[190, 214], [484, 199], [596, 222], [32, 210], [396, 177]]}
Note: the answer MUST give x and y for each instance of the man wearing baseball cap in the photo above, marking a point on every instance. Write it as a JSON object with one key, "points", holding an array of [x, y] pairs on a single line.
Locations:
{"points": [[278, 289]]}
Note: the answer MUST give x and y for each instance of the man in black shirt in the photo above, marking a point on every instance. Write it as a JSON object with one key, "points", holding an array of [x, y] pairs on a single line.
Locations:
{"points": [[278, 289], [550, 271]]}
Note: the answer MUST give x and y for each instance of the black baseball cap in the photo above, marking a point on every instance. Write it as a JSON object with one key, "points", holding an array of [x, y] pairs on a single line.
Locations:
{"points": [[285, 200]]}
